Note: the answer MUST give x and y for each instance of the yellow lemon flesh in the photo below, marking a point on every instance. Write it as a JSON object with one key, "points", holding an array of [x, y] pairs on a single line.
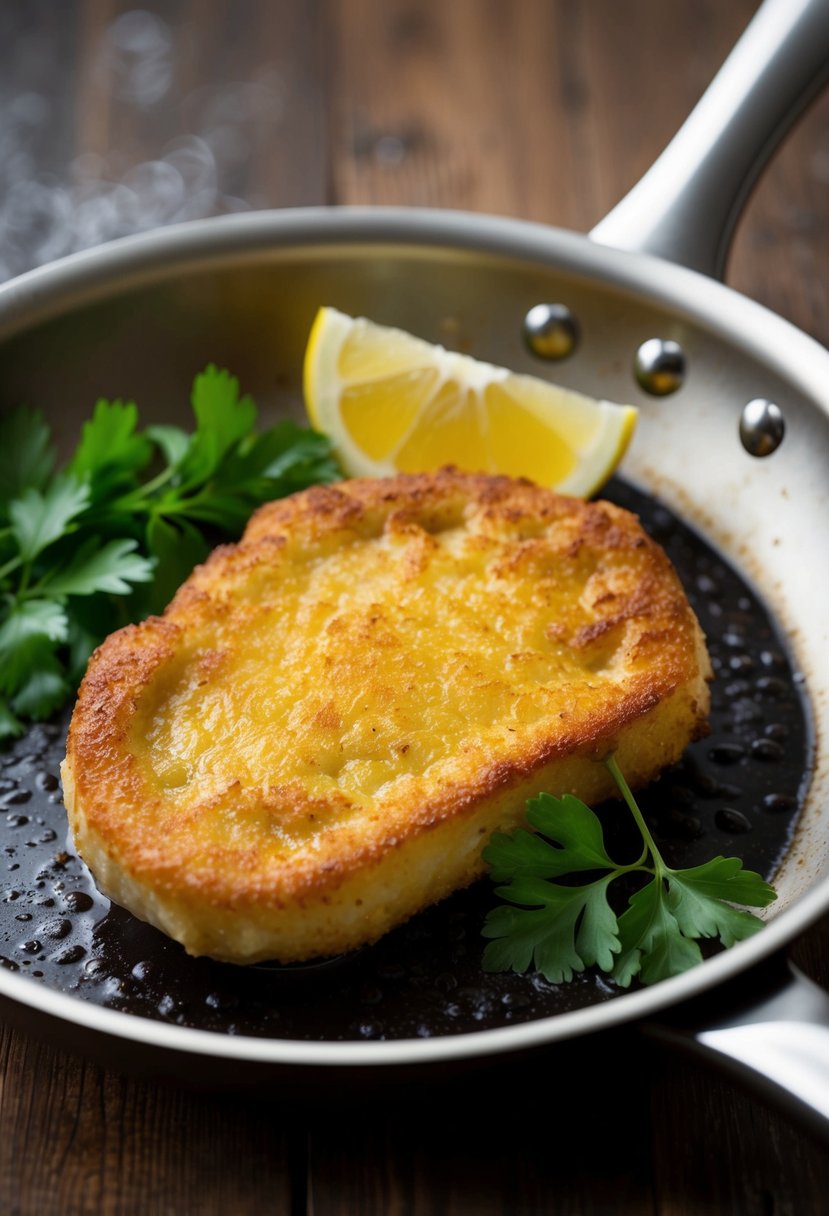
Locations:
{"points": [[393, 403]]}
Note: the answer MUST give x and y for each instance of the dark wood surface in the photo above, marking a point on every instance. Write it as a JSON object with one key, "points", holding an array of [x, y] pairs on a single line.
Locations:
{"points": [[113, 119]]}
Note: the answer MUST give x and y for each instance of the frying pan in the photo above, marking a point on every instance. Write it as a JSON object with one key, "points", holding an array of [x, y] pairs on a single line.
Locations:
{"points": [[140, 315]]}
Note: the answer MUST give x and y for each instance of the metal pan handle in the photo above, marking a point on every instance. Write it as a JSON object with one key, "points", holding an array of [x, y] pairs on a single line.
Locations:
{"points": [[686, 206], [775, 1040], [775, 1037]]}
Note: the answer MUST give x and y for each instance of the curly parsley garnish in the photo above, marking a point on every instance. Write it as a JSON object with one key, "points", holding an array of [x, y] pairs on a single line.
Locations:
{"points": [[561, 929], [110, 537]]}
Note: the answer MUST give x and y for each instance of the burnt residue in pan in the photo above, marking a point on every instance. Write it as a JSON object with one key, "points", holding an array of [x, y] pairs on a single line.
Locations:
{"points": [[736, 792]]}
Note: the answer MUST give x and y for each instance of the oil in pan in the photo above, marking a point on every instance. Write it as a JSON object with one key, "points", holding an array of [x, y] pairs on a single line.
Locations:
{"points": [[736, 792]]}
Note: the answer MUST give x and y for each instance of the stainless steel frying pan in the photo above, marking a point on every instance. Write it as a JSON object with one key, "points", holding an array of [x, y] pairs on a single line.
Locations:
{"points": [[140, 315]]}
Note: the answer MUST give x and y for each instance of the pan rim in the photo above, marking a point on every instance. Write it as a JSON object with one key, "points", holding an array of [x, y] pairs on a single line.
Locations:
{"points": [[621, 1010], [148, 257]]}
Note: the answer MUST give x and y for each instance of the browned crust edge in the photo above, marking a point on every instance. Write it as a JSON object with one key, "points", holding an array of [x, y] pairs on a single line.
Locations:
{"points": [[105, 777]]}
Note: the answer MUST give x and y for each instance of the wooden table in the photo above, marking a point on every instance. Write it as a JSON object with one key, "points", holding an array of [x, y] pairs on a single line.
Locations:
{"points": [[543, 109]]}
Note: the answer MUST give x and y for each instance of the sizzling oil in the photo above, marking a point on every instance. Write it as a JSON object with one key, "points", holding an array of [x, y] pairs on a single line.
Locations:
{"points": [[737, 792]]}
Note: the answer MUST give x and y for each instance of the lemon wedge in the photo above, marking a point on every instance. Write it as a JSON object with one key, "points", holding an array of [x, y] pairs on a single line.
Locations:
{"points": [[393, 403]]}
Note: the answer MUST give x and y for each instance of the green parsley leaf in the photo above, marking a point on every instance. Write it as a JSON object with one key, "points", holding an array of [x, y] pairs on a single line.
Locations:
{"points": [[284, 458], [222, 419], [573, 928], [651, 942], [31, 626], [91, 618], [45, 687], [560, 928], [26, 455], [177, 547], [173, 441], [110, 451], [112, 567], [697, 898], [29, 617], [225, 510], [543, 937], [597, 939], [256, 469], [10, 726], [575, 830], [112, 536], [38, 518]]}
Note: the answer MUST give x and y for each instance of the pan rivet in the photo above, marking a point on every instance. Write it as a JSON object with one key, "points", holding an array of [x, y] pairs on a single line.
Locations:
{"points": [[762, 427], [659, 366], [551, 331]]}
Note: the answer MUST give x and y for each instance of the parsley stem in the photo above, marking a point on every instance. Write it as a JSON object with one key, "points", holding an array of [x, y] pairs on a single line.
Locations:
{"points": [[624, 789], [157, 482], [139, 499], [10, 566]]}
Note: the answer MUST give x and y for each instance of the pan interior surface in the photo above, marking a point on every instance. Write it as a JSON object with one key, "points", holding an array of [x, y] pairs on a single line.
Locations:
{"points": [[736, 792], [138, 321]]}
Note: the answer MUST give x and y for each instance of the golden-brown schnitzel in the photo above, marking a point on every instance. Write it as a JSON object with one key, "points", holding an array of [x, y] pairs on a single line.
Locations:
{"points": [[319, 735]]}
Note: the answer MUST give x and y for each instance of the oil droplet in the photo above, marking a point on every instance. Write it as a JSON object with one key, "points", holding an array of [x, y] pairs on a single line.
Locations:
{"points": [[73, 954], [732, 821], [78, 901]]}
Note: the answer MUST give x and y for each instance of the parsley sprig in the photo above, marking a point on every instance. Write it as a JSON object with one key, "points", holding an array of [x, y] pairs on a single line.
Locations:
{"points": [[561, 929], [109, 537]]}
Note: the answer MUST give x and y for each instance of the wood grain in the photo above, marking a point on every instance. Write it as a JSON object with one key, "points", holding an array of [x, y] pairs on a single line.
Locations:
{"points": [[76, 1139], [551, 111], [720, 1150], [226, 96], [526, 109], [541, 109]]}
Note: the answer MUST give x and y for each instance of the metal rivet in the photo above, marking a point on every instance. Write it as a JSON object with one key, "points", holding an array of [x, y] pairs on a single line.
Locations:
{"points": [[762, 427], [551, 331], [659, 366]]}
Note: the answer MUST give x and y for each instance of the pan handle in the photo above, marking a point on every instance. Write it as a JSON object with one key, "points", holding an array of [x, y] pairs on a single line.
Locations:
{"points": [[686, 206], [775, 1041]]}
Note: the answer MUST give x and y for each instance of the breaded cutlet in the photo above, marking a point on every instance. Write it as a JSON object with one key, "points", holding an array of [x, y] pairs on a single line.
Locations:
{"points": [[319, 735]]}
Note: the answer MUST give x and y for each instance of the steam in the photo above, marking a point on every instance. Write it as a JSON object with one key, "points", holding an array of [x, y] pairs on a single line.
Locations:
{"points": [[138, 53], [97, 197]]}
